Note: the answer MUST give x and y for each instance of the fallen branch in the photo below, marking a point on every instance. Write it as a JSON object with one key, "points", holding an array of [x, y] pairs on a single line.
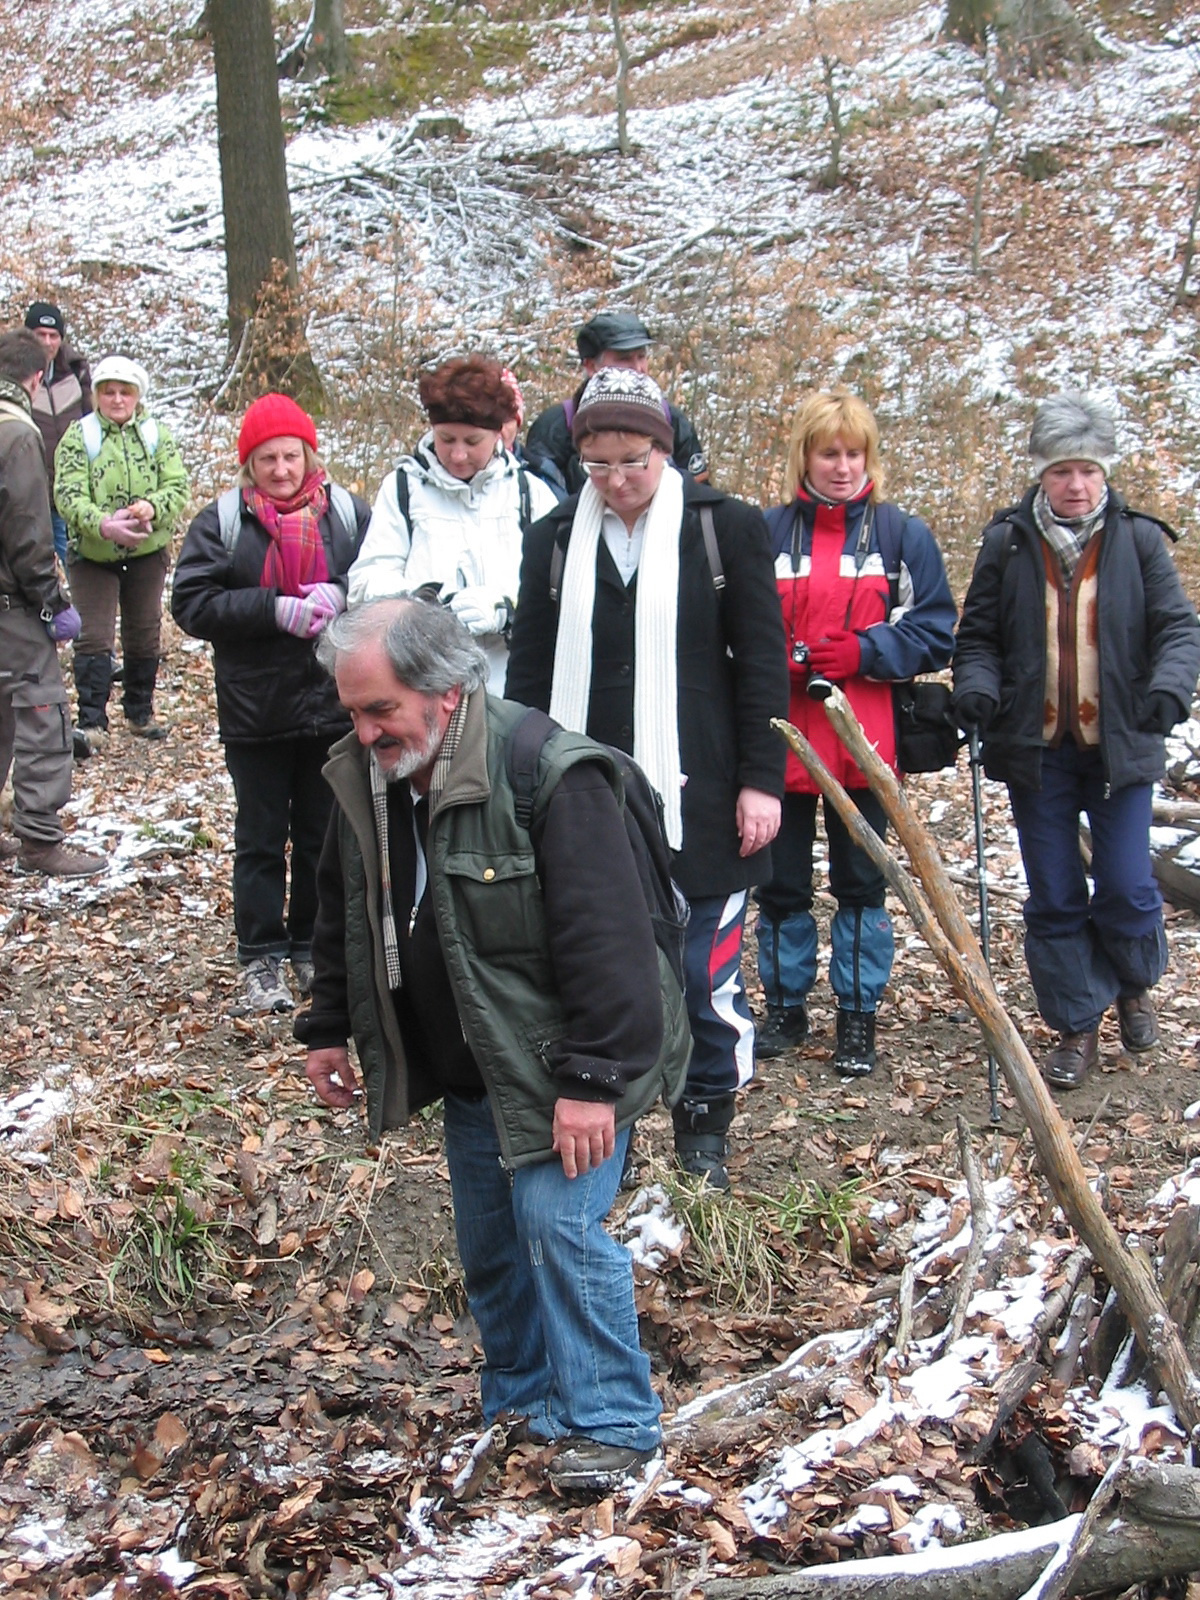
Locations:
{"points": [[979, 1233], [1154, 1533], [951, 939]]}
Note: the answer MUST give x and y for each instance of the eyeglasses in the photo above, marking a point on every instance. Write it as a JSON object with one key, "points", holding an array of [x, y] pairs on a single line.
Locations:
{"points": [[605, 469]]}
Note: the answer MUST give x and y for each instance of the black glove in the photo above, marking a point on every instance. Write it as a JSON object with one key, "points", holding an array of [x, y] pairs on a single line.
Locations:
{"points": [[974, 712], [1163, 711]]}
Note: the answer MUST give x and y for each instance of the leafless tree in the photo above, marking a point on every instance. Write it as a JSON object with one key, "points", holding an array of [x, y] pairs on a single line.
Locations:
{"points": [[320, 51], [614, 11]]}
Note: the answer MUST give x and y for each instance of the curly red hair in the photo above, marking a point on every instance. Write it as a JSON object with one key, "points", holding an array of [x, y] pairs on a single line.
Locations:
{"points": [[472, 391]]}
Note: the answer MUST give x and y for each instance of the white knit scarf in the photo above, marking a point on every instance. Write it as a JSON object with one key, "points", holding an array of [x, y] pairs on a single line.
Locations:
{"points": [[655, 686]]}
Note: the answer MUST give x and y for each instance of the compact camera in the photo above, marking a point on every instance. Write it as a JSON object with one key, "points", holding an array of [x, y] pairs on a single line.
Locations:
{"points": [[817, 687]]}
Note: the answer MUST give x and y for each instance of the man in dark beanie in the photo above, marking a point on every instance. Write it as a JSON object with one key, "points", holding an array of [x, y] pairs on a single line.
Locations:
{"points": [[64, 395], [609, 339], [1077, 653]]}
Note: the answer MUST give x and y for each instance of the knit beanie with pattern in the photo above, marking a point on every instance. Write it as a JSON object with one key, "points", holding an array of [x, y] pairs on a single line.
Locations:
{"points": [[274, 416], [1073, 427], [42, 314], [619, 400]]}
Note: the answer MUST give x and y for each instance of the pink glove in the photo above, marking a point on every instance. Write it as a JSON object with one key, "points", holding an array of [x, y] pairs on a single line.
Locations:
{"points": [[837, 656], [330, 597], [124, 529], [304, 618]]}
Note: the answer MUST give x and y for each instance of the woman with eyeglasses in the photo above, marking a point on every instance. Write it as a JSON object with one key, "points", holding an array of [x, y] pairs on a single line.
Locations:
{"points": [[865, 604], [648, 618], [451, 518]]}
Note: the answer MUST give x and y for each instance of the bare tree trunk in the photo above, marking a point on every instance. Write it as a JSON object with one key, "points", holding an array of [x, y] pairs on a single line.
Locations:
{"points": [[1189, 248], [998, 99], [614, 11], [320, 51], [262, 284], [832, 175]]}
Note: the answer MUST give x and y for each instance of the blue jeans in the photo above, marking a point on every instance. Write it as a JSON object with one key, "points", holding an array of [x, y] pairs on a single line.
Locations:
{"points": [[551, 1292], [1083, 953]]}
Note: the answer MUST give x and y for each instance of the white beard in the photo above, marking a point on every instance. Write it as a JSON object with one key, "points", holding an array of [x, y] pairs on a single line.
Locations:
{"points": [[410, 761]]}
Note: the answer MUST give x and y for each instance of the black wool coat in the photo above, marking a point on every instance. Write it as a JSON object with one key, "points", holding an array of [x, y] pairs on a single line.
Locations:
{"points": [[732, 673], [270, 684], [1149, 640]]}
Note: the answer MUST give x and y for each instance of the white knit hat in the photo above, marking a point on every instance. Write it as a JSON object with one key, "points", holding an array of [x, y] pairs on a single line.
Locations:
{"points": [[121, 369], [1073, 427]]}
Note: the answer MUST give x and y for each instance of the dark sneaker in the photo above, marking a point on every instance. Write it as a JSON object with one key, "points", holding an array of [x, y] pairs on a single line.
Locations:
{"points": [[584, 1465], [854, 1054], [302, 971], [783, 1029], [147, 730], [58, 861], [265, 989], [1139, 1024], [1069, 1063], [80, 747]]}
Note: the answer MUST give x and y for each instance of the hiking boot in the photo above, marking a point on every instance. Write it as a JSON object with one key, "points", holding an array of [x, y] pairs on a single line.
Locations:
{"points": [[265, 989], [784, 1028], [586, 1464], [854, 1054], [89, 739], [80, 748], [58, 861], [147, 730], [1073, 1056], [10, 849], [302, 971], [701, 1147], [1139, 1024]]}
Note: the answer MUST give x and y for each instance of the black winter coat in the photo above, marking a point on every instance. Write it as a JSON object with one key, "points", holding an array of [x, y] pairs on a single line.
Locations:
{"points": [[732, 673], [1149, 641], [269, 683]]}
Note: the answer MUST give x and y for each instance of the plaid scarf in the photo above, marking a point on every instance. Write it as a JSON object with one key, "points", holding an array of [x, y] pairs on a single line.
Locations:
{"points": [[379, 802], [1067, 536], [296, 553]]}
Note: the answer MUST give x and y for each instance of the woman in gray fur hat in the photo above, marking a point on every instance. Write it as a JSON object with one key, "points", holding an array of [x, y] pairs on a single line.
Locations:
{"points": [[1077, 652]]}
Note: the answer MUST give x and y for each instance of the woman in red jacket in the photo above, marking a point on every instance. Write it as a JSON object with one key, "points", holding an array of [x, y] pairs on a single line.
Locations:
{"points": [[865, 605]]}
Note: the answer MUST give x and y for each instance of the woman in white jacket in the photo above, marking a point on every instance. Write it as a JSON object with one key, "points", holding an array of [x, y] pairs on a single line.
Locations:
{"points": [[452, 517]]}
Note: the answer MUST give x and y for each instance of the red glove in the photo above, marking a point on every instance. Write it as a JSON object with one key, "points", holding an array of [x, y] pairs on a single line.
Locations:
{"points": [[838, 656]]}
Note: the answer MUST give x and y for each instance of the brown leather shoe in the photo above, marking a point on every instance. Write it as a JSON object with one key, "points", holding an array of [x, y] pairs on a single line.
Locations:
{"points": [[59, 861], [1068, 1063], [1139, 1024]]}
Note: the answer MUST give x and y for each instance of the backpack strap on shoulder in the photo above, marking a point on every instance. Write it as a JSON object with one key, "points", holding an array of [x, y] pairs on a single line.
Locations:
{"points": [[558, 560], [341, 505], [889, 531], [521, 758], [229, 517], [403, 496], [711, 549], [148, 429], [525, 501]]}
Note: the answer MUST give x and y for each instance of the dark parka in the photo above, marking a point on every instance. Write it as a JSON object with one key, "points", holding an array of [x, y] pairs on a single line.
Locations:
{"points": [[269, 683], [1149, 641], [732, 673], [508, 975], [28, 573], [65, 395]]}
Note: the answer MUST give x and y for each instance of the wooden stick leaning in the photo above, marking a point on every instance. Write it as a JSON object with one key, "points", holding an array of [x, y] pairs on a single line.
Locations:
{"points": [[952, 940]]}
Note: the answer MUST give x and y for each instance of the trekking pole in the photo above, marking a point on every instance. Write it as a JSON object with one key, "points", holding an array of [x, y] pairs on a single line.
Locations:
{"points": [[985, 932]]}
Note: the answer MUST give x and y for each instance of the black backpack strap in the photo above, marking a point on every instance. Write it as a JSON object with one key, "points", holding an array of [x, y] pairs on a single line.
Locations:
{"points": [[525, 513], [521, 759], [711, 549], [403, 496], [558, 560]]}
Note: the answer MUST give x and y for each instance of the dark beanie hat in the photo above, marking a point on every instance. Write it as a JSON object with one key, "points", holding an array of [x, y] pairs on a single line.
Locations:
{"points": [[618, 400], [42, 314], [275, 416]]}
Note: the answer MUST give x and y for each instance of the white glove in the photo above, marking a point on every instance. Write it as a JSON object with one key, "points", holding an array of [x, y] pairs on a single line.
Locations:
{"points": [[480, 610]]}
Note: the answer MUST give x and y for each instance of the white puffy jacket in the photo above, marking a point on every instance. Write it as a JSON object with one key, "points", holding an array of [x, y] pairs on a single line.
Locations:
{"points": [[464, 533]]}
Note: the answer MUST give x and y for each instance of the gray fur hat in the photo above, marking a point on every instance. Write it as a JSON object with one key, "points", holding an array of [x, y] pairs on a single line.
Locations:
{"points": [[1073, 427]]}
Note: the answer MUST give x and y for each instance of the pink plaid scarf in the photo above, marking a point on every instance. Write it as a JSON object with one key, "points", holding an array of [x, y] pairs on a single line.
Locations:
{"points": [[296, 555]]}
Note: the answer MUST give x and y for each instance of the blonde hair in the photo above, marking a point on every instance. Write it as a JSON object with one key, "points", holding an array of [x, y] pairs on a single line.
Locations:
{"points": [[824, 415], [312, 463]]}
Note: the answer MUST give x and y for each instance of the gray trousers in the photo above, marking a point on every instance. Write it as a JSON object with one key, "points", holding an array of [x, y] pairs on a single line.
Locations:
{"points": [[35, 727]]}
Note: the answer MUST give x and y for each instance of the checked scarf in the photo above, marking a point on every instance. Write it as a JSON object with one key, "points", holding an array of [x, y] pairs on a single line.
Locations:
{"points": [[296, 553]]}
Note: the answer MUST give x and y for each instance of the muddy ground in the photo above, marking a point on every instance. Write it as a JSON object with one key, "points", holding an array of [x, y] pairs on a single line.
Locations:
{"points": [[290, 1276]]}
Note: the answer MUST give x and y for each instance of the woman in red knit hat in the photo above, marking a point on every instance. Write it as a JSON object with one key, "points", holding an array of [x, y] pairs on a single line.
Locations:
{"points": [[262, 570]]}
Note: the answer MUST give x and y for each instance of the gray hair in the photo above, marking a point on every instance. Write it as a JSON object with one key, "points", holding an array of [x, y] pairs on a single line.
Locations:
{"points": [[428, 647], [1073, 427]]}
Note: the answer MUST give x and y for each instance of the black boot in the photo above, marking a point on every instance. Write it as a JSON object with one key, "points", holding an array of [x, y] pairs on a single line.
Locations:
{"points": [[784, 1028], [855, 1053], [700, 1143], [93, 681], [140, 676]]}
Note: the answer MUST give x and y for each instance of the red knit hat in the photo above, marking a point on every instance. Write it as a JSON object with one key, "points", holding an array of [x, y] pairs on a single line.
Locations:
{"points": [[275, 416]]}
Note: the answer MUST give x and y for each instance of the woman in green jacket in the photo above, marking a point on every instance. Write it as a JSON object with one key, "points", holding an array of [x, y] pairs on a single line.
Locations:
{"points": [[121, 486]]}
